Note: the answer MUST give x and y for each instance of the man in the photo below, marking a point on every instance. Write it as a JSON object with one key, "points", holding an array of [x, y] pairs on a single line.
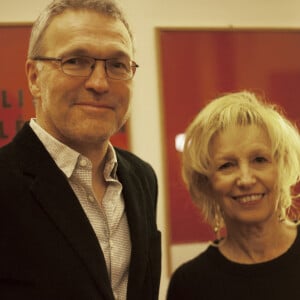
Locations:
{"points": [[78, 217]]}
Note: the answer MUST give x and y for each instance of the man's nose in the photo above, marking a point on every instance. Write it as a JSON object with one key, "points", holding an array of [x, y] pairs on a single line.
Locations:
{"points": [[98, 78]]}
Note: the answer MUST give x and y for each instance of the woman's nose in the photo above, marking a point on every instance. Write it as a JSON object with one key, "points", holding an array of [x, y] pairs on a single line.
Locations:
{"points": [[245, 177]]}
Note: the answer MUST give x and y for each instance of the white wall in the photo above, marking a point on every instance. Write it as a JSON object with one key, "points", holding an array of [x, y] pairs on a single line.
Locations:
{"points": [[146, 15]]}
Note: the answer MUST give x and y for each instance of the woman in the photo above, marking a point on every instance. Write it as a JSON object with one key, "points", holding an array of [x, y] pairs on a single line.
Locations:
{"points": [[240, 162]]}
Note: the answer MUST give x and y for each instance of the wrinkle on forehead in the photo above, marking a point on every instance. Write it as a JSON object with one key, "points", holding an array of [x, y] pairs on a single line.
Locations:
{"points": [[86, 29]]}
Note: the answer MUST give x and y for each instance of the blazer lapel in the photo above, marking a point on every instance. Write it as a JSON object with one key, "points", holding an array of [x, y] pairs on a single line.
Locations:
{"points": [[136, 215], [53, 193]]}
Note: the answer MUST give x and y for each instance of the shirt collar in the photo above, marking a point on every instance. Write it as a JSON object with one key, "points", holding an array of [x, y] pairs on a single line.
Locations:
{"points": [[67, 158]]}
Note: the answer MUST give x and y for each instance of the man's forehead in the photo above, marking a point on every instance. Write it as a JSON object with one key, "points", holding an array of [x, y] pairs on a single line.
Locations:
{"points": [[85, 27], [87, 17]]}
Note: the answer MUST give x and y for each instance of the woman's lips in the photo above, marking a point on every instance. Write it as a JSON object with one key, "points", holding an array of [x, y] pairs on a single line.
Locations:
{"points": [[248, 198]]}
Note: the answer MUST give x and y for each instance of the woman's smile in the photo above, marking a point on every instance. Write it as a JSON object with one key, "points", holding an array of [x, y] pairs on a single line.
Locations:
{"points": [[249, 199]]}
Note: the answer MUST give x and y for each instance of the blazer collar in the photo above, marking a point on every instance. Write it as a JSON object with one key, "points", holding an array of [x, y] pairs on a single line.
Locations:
{"points": [[136, 211]]}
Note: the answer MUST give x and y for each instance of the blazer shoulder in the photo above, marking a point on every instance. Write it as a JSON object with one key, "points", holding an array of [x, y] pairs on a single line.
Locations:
{"points": [[133, 170], [132, 161], [8, 155]]}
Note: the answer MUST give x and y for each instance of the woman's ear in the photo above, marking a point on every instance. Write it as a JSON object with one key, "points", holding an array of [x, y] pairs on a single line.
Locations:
{"points": [[32, 73]]}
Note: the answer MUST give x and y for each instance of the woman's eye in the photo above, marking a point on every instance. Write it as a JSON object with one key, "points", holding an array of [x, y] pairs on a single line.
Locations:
{"points": [[260, 159], [225, 166]]}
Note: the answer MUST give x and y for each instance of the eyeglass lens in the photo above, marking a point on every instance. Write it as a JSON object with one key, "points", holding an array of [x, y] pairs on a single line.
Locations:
{"points": [[83, 66]]}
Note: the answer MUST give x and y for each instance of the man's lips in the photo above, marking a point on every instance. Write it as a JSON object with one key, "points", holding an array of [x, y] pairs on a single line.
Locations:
{"points": [[93, 105], [251, 198]]}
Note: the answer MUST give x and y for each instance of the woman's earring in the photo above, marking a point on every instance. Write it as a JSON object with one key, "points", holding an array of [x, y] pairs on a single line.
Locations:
{"points": [[217, 227]]}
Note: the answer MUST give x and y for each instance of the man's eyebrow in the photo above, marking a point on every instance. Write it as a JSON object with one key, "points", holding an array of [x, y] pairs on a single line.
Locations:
{"points": [[75, 52], [84, 52]]}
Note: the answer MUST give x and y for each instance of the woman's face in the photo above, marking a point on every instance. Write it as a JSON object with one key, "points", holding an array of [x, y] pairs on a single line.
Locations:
{"points": [[244, 176]]}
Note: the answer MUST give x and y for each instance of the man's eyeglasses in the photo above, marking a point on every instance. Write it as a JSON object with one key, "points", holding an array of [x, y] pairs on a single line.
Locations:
{"points": [[83, 66]]}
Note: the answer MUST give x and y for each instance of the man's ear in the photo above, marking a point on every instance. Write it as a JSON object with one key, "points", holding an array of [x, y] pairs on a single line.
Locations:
{"points": [[32, 72]]}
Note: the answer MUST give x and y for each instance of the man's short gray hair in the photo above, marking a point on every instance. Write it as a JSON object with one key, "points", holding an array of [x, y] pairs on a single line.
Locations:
{"points": [[57, 7]]}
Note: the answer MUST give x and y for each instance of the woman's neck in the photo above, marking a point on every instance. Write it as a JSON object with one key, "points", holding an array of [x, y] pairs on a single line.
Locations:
{"points": [[258, 244]]}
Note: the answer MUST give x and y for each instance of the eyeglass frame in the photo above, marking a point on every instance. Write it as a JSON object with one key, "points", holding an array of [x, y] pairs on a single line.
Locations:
{"points": [[61, 61]]}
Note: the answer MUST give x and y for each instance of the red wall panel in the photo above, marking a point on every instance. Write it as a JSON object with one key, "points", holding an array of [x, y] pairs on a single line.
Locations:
{"points": [[198, 65]]}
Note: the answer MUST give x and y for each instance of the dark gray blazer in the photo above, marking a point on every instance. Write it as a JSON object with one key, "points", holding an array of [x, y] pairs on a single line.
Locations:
{"points": [[48, 249]]}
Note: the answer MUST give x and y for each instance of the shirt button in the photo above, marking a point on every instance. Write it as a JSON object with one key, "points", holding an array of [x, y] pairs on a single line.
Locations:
{"points": [[83, 163], [91, 198]]}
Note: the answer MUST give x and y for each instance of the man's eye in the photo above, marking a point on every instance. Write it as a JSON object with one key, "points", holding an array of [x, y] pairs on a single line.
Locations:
{"points": [[119, 64], [72, 61], [76, 61]]}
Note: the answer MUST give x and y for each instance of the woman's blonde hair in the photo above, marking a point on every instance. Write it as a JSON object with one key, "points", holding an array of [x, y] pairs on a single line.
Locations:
{"points": [[239, 109]]}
